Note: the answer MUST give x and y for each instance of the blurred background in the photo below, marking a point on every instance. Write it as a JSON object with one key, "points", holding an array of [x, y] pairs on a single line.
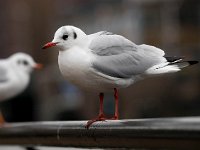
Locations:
{"points": [[172, 25]]}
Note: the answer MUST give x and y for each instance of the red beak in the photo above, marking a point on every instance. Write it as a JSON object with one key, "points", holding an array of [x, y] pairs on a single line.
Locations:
{"points": [[50, 44], [38, 66]]}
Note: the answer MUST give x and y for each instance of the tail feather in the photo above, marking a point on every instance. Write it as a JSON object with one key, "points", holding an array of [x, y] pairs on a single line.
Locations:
{"points": [[193, 62], [169, 67], [174, 59], [184, 64]]}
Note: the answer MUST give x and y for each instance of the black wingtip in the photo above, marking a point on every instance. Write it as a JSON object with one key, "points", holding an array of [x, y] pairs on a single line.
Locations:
{"points": [[30, 148], [174, 58], [193, 62]]}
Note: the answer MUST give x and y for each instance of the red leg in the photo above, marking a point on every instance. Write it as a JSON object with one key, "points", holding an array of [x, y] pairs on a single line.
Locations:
{"points": [[2, 121], [101, 113], [101, 116], [116, 115]]}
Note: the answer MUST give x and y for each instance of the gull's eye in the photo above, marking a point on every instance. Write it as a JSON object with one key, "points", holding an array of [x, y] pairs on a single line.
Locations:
{"points": [[64, 37], [25, 62]]}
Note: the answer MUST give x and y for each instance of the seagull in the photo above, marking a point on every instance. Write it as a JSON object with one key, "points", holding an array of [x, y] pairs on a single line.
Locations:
{"points": [[104, 61], [15, 75]]}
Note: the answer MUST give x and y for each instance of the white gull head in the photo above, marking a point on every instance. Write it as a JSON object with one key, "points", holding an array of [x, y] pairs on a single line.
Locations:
{"points": [[23, 62], [66, 37]]}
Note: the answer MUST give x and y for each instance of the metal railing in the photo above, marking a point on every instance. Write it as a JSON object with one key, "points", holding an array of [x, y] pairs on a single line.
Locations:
{"points": [[177, 133]]}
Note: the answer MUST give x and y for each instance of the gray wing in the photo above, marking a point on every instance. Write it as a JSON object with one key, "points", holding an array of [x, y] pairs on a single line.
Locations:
{"points": [[118, 57], [3, 74]]}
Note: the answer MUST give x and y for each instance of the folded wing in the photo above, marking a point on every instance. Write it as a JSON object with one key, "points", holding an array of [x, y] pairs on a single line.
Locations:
{"points": [[118, 57]]}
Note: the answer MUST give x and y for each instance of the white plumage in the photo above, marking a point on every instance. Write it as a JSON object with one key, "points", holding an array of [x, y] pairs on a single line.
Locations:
{"points": [[104, 61], [15, 74]]}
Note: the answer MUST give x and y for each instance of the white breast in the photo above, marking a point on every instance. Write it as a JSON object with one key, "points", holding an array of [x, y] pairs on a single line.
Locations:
{"points": [[15, 84], [75, 65]]}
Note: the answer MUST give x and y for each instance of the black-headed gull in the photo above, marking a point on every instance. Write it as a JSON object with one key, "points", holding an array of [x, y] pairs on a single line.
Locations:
{"points": [[15, 75], [105, 61]]}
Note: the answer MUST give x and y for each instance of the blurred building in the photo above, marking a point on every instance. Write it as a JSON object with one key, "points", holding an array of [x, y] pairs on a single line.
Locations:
{"points": [[172, 25]]}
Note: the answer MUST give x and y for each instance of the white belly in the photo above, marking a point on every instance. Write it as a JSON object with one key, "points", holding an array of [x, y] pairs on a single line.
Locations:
{"points": [[75, 66], [13, 86]]}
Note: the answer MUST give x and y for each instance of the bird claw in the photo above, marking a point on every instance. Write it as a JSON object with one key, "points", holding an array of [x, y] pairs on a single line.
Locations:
{"points": [[114, 118], [99, 118]]}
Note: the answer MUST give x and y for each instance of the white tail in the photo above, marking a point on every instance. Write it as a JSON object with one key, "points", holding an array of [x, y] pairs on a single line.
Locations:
{"points": [[169, 67]]}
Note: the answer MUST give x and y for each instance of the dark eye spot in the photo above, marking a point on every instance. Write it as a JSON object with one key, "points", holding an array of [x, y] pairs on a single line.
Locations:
{"points": [[65, 37], [25, 62], [75, 35]]}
